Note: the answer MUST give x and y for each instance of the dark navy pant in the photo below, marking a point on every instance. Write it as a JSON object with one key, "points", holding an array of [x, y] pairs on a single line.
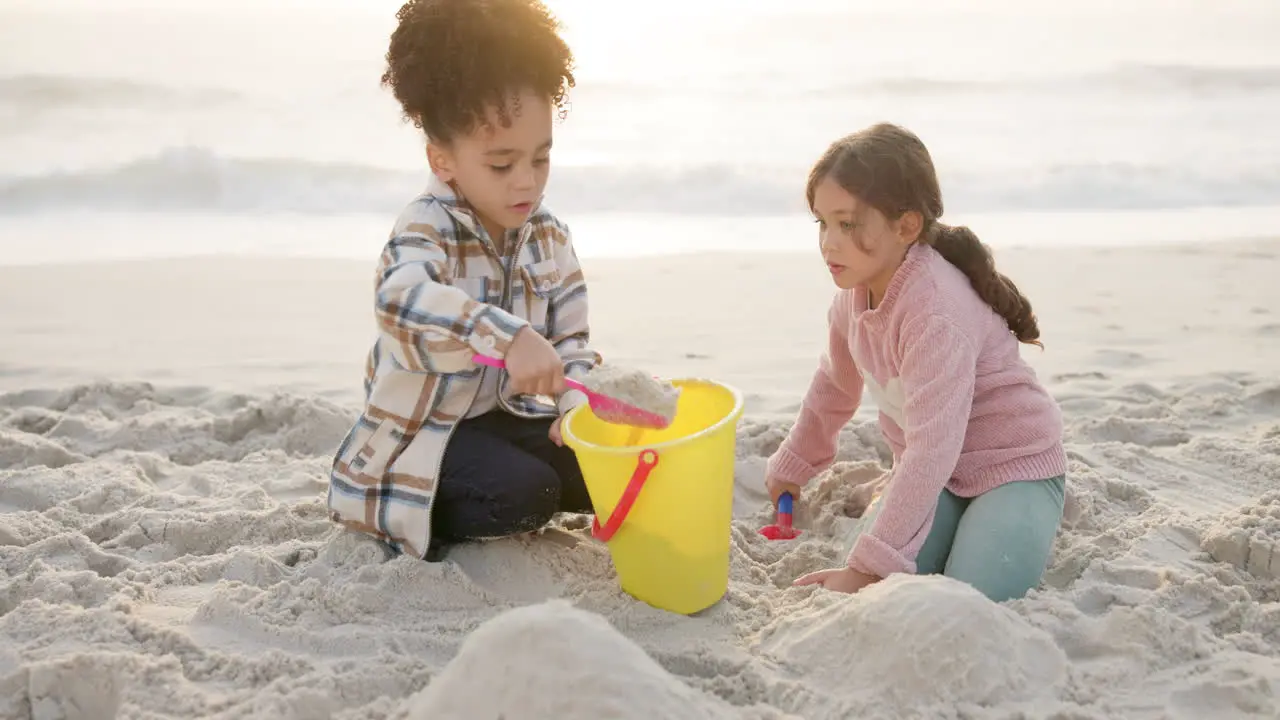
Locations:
{"points": [[502, 475]]}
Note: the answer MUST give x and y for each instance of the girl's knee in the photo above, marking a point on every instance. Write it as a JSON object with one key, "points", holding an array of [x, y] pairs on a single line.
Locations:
{"points": [[1000, 577], [1005, 539]]}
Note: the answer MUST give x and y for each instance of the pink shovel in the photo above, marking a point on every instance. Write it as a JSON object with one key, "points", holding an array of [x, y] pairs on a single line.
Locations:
{"points": [[606, 408]]}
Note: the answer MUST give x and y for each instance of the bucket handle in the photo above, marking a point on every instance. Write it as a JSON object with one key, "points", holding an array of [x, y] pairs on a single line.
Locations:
{"points": [[648, 459]]}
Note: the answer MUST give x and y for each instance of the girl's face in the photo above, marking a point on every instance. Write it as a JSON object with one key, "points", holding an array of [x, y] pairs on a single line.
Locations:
{"points": [[501, 171], [860, 245]]}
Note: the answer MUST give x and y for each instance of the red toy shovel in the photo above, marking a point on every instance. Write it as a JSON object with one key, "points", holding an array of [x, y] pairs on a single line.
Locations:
{"points": [[781, 529]]}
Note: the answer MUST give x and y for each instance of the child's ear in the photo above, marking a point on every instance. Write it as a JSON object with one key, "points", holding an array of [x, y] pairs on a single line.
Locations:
{"points": [[441, 161], [909, 226]]}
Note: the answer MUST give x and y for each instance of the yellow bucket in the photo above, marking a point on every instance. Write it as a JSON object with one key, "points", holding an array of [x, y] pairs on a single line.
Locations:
{"points": [[665, 496]]}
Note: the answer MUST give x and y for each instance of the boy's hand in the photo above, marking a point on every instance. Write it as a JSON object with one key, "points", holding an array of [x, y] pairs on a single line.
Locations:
{"points": [[845, 579], [554, 432], [534, 365], [777, 487]]}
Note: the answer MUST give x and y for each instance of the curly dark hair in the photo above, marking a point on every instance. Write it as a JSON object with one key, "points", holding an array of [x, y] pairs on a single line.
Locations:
{"points": [[449, 61]]}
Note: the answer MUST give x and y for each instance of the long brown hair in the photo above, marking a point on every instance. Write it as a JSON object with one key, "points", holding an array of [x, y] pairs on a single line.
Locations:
{"points": [[889, 168]]}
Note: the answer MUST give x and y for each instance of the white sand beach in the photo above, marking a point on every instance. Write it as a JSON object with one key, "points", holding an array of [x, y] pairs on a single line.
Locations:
{"points": [[166, 428]]}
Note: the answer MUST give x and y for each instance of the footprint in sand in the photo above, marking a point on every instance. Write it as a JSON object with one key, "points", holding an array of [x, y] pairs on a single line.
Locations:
{"points": [[1265, 401], [1120, 358], [1134, 431], [1069, 376]]}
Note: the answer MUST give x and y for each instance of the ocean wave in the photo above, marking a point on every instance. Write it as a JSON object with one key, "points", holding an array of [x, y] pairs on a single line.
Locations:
{"points": [[1197, 78], [1194, 80], [1127, 78], [43, 93], [195, 179], [33, 93]]}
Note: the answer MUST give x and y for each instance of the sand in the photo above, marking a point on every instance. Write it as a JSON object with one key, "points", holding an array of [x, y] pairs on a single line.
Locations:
{"points": [[166, 428], [636, 389]]}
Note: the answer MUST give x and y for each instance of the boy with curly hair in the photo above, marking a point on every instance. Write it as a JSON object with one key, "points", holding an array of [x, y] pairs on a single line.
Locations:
{"points": [[447, 449]]}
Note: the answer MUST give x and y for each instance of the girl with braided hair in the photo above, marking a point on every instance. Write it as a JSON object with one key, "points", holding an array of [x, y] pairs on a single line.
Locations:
{"points": [[925, 323]]}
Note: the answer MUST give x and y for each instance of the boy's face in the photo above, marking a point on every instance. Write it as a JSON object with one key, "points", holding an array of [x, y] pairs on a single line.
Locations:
{"points": [[500, 171]]}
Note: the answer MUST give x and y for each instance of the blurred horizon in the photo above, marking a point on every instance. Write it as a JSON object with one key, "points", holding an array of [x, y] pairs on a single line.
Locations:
{"points": [[151, 111]]}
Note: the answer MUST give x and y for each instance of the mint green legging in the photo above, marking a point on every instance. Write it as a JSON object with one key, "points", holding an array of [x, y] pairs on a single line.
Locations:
{"points": [[999, 542]]}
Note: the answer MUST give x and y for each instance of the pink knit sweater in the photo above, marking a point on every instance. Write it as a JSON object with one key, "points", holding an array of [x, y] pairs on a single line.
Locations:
{"points": [[958, 406]]}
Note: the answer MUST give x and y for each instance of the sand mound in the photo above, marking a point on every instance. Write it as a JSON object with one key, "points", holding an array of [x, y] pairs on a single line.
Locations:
{"points": [[920, 641], [554, 661]]}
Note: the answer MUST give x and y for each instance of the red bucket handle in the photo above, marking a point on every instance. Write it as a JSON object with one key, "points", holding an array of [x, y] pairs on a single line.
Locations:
{"points": [[648, 459]]}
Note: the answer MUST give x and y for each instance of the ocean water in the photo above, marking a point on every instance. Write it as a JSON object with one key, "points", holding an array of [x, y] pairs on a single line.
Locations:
{"points": [[132, 128]]}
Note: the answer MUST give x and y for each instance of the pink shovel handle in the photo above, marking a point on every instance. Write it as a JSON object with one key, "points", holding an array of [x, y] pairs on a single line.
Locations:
{"points": [[502, 365]]}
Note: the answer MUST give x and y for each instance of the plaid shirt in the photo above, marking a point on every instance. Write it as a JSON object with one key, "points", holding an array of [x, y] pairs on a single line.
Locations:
{"points": [[443, 294]]}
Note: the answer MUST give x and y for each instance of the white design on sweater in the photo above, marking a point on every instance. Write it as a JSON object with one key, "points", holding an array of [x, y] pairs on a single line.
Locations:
{"points": [[890, 398]]}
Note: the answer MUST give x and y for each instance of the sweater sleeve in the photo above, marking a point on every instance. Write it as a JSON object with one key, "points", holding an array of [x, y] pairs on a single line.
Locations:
{"points": [[939, 365], [833, 397]]}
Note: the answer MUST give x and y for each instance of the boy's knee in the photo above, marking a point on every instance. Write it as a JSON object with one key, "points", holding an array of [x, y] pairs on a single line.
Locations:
{"points": [[534, 498]]}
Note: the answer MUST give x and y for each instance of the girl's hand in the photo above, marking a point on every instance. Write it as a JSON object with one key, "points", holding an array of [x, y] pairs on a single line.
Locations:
{"points": [[776, 487], [554, 432], [845, 580]]}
